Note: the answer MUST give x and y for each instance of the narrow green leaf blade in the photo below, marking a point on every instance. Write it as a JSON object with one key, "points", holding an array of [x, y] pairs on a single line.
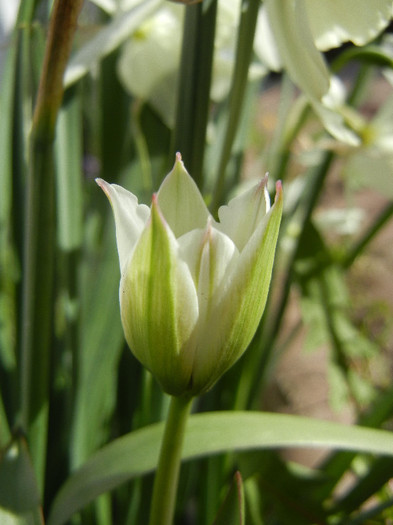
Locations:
{"points": [[232, 510], [136, 453]]}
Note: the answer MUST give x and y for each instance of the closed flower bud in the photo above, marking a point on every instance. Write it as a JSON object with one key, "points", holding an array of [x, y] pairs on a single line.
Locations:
{"points": [[192, 290]]}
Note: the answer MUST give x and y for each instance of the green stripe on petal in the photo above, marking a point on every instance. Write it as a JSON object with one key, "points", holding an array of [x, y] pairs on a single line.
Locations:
{"points": [[235, 314], [181, 202], [159, 306]]}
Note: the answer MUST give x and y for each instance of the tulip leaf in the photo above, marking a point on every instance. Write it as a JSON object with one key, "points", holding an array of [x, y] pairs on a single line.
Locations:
{"points": [[136, 454], [69, 173]]}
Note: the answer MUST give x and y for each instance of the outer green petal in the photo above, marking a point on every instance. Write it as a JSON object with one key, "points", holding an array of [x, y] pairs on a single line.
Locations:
{"points": [[300, 57], [333, 22], [130, 218], [244, 213], [181, 202], [159, 307], [239, 311]]}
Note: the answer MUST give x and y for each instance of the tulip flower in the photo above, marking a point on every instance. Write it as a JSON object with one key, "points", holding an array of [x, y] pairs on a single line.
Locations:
{"points": [[192, 290]]}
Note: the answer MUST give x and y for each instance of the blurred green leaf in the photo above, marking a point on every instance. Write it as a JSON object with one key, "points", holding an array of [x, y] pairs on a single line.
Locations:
{"points": [[68, 151], [232, 510], [19, 494], [212, 433], [100, 344]]}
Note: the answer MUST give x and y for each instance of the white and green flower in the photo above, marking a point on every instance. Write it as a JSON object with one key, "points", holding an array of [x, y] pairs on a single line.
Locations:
{"points": [[149, 62], [192, 290], [291, 35]]}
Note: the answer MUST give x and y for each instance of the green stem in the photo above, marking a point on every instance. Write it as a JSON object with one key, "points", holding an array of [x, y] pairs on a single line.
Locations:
{"points": [[40, 235], [167, 474], [193, 101], [384, 216], [245, 41]]}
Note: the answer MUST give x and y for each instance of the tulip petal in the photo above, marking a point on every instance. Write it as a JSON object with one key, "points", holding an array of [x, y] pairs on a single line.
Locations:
{"points": [[235, 315], [334, 22], [242, 215], [130, 218], [209, 254], [300, 57], [159, 306], [181, 202]]}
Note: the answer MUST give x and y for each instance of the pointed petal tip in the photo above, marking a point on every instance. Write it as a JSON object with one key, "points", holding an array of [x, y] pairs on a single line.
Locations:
{"points": [[156, 210], [279, 191], [105, 186], [179, 161]]}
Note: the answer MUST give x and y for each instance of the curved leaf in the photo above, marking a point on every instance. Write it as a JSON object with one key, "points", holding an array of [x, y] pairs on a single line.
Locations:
{"points": [[136, 454]]}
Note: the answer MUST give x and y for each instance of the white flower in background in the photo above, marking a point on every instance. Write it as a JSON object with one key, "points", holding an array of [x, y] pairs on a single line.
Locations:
{"points": [[371, 166], [8, 13], [149, 62], [192, 290], [291, 34]]}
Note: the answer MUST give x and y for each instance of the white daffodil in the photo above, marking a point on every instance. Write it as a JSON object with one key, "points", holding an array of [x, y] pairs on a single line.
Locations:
{"points": [[291, 34], [192, 290]]}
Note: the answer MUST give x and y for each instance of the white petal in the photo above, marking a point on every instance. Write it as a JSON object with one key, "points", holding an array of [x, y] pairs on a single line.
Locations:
{"points": [[331, 111], [265, 45], [181, 202], [241, 216], [130, 218], [333, 22], [157, 43], [209, 255], [295, 43]]}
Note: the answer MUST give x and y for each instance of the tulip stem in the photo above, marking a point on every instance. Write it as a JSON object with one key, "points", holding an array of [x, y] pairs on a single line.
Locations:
{"points": [[167, 473]]}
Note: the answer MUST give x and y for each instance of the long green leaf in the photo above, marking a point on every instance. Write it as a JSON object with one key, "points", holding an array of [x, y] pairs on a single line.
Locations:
{"points": [[212, 433]]}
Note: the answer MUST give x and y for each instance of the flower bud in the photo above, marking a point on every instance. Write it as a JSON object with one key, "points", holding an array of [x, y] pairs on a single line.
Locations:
{"points": [[192, 290]]}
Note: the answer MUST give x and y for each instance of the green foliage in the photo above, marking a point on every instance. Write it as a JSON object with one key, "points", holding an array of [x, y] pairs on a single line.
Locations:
{"points": [[80, 421]]}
